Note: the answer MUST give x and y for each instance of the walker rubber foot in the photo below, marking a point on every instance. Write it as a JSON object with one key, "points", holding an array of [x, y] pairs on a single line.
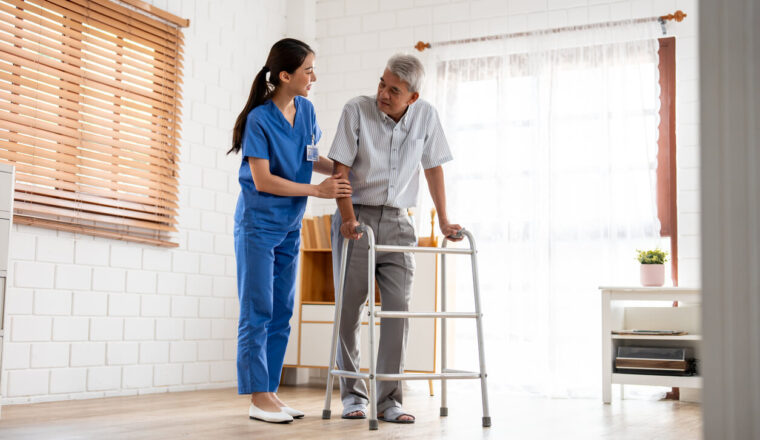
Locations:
{"points": [[444, 412], [326, 413], [373, 425], [486, 422]]}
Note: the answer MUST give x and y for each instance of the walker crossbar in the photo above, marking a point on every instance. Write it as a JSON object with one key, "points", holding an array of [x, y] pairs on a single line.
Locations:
{"points": [[409, 376], [422, 250], [427, 376], [427, 315], [372, 375]]}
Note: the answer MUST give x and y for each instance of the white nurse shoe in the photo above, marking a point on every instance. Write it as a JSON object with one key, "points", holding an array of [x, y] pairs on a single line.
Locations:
{"points": [[296, 414], [268, 416]]}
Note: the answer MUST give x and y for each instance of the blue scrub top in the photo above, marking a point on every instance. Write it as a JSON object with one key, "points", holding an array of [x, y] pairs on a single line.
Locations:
{"points": [[268, 135]]}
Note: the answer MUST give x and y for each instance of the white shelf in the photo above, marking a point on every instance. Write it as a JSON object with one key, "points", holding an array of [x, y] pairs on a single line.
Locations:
{"points": [[651, 289], [628, 308], [661, 338], [653, 380]]}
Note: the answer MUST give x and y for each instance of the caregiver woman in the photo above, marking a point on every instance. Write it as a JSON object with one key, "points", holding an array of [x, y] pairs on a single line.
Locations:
{"points": [[277, 132]]}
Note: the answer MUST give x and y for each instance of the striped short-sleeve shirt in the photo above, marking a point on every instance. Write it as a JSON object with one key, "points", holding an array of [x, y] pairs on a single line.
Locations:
{"points": [[385, 156]]}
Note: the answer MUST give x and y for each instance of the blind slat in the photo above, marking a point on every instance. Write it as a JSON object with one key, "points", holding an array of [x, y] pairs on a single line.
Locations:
{"points": [[149, 204], [114, 117], [143, 51], [120, 13], [26, 208], [167, 214], [101, 232], [78, 121], [92, 17], [82, 206], [80, 55], [25, 20], [67, 69], [43, 139], [72, 173], [67, 91], [36, 120], [68, 157]]}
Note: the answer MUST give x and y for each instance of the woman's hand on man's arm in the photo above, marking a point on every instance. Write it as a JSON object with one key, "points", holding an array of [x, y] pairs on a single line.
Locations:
{"points": [[334, 187], [265, 181]]}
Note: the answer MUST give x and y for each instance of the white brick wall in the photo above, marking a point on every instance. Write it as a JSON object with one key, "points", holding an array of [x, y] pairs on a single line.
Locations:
{"points": [[89, 317], [387, 27]]}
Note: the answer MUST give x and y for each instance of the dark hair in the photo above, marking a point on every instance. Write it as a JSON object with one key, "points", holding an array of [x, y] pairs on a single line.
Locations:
{"points": [[286, 55]]}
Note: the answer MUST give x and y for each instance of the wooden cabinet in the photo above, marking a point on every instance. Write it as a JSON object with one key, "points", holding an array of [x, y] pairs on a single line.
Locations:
{"points": [[649, 308], [312, 323]]}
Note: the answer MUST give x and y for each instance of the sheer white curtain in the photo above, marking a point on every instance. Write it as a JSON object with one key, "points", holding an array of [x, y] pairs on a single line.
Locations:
{"points": [[554, 137]]}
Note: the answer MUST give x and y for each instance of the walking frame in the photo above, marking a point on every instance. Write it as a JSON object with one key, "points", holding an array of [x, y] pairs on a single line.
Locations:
{"points": [[446, 373]]}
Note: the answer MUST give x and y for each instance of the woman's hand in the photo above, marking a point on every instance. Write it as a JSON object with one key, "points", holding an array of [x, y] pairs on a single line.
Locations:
{"points": [[449, 229], [334, 187], [348, 230]]}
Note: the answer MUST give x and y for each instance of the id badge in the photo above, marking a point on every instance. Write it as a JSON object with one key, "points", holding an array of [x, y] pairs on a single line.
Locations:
{"points": [[312, 153]]}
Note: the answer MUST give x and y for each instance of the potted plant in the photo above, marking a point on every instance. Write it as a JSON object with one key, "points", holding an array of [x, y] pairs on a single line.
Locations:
{"points": [[652, 267]]}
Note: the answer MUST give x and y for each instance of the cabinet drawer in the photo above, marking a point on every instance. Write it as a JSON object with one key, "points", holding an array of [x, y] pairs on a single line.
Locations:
{"points": [[315, 344], [5, 225], [6, 193], [317, 312], [316, 340]]}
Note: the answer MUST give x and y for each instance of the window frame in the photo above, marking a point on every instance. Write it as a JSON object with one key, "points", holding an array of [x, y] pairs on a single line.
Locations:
{"points": [[667, 190]]}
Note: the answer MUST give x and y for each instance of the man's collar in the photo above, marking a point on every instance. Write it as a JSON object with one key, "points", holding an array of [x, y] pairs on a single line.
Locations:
{"points": [[404, 118], [408, 114]]}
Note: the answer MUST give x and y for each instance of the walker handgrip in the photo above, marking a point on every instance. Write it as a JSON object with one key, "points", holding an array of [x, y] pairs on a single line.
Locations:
{"points": [[361, 229], [456, 236]]}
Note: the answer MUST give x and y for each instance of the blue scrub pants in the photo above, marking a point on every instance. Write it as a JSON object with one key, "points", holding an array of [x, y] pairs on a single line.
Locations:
{"points": [[266, 273]]}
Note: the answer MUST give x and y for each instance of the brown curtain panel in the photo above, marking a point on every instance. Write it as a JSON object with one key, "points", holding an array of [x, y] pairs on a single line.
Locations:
{"points": [[90, 117]]}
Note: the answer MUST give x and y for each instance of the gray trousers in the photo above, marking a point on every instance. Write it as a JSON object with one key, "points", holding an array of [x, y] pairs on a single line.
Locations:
{"points": [[393, 272]]}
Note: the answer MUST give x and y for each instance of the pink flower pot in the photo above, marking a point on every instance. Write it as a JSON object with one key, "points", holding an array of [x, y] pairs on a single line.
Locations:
{"points": [[652, 275]]}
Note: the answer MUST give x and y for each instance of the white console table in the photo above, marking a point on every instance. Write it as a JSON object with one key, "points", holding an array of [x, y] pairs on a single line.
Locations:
{"points": [[7, 179], [625, 308]]}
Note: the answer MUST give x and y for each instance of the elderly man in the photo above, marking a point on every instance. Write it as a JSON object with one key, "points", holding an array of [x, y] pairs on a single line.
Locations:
{"points": [[380, 143]]}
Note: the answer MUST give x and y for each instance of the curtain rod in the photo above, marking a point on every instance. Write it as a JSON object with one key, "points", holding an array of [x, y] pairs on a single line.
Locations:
{"points": [[677, 16], [168, 16]]}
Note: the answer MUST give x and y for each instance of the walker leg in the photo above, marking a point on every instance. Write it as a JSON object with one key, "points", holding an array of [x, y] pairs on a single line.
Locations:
{"points": [[371, 327], [336, 328], [444, 407], [481, 349]]}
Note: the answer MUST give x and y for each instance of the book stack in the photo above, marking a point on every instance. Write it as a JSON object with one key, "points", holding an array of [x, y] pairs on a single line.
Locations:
{"points": [[315, 233], [650, 332], [669, 361]]}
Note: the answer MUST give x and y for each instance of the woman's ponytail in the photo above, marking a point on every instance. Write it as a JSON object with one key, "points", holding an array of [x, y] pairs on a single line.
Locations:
{"points": [[260, 91], [285, 56]]}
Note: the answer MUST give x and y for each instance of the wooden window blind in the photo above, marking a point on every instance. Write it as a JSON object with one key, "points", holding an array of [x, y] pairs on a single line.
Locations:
{"points": [[90, 117]]}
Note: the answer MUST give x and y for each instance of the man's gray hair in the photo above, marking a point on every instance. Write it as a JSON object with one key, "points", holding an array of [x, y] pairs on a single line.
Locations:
{"points": [[409, 69]]}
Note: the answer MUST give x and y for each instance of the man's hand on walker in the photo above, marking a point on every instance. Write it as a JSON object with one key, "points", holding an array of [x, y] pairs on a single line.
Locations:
{"points": [[450, 229], [348, 230]]}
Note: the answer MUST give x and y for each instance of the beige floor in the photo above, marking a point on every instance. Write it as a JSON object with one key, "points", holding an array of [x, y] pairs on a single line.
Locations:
{"points": [[222, 414]]}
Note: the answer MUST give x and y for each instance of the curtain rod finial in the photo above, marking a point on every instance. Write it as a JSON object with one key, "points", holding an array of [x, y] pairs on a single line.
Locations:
{"points": [[678, 16], [420, 46]]}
